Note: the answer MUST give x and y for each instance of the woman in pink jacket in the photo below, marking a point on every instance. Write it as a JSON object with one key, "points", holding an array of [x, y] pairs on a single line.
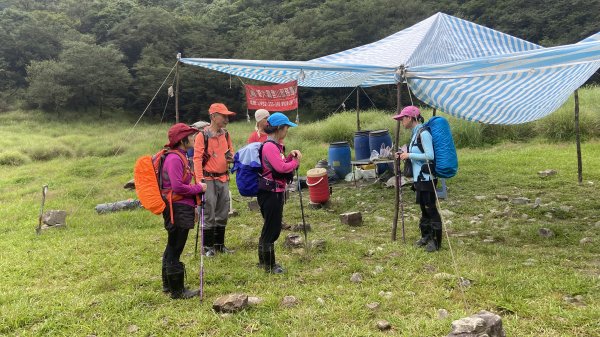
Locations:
{"points": [[278, 171], [177, 178]]}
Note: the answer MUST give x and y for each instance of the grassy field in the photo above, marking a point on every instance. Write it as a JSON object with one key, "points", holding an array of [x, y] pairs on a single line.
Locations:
{"points": [[101, 275]]}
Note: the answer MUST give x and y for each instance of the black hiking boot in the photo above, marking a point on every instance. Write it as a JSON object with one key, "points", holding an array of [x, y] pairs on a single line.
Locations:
{"points": [[176, 277], [165, 281], [209, 251], [220, 241], [208, 235], [421, 242], [425, 228], [431, 247], [261, 257], [438, 234], [270, 265]]}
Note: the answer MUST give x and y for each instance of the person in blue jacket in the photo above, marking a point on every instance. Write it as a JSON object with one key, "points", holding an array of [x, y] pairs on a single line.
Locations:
{"points": [[420, 153]]}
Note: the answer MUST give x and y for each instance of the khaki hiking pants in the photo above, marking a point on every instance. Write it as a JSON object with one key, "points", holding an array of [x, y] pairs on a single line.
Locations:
{"points": [[216, 208]]}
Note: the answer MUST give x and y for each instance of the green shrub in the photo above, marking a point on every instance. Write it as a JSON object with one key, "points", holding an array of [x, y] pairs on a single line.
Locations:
{"points": [[108, 151], [13, 158], [44, 152]]}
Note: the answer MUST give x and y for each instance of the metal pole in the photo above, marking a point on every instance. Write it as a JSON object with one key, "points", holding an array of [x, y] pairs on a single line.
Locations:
{"points": [[306, 243], [578, 139], [397, 166], [177, 89], [201, 226], [357, 110]]}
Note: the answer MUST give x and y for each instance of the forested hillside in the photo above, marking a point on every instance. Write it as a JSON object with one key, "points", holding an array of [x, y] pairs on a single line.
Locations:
{"points": [[92, 55]]}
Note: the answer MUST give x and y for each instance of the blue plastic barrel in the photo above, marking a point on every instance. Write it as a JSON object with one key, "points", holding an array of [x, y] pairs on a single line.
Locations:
{"points": [[376, 138], [339, 158], [362, 149]]}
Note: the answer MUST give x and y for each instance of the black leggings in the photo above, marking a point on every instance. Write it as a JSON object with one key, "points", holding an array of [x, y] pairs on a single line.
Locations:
{"points": [[426, 200], [175, 244], [271, 208], [177, 234]]}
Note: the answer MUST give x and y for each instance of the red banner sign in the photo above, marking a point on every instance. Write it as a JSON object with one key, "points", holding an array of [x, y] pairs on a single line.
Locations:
{"points": [[280, 97]]}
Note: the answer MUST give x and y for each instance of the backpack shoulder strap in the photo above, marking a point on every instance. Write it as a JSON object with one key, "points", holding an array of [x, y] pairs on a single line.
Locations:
{"points": [[184, 161], [226, 135], [205, 134], [206, 137], [418, 142], [157, 162], [260, 152], [276, 144]]}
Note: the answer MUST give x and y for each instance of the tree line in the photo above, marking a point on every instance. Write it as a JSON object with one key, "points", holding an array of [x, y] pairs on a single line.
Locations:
{"points": [[92, 55]]}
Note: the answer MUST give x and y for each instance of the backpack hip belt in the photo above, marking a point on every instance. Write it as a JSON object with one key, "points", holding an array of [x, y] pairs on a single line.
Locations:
{"points": [[215, 175], [268, 185]]}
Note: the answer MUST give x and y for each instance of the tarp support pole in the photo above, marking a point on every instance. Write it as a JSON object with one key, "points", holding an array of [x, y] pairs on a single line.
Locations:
{"points": [[357, 109], [434, 111], [177, 89], [578, 139], [398, 189]]}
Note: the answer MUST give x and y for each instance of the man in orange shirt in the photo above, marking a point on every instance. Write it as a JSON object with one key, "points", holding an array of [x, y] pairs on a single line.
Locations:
{"points": [[211, 161]]}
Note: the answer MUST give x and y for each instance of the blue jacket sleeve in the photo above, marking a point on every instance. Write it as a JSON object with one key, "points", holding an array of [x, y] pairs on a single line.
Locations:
{"points": [[427, 143]]}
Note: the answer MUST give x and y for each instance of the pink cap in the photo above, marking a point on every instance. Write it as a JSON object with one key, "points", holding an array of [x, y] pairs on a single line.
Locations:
{"points": [[410, 111]]}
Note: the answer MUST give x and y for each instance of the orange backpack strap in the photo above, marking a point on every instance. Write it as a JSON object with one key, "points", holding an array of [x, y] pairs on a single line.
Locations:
{"points": [[169, 195]]}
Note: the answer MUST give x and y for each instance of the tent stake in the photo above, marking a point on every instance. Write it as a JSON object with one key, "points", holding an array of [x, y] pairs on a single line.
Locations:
{"points": [[578, 139]]}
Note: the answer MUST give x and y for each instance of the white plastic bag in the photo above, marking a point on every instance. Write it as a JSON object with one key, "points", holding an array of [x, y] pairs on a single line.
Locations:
{"points": [[374, 155], [368, 174]]}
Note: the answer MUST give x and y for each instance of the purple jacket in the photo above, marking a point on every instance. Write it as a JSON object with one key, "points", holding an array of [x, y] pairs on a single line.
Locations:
{"points": [[172, 171], [274, 156]]}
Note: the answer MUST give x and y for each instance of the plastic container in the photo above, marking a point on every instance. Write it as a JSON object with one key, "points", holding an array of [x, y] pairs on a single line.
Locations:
{"points": [[362, 148], [339, 158], [318, 187]]}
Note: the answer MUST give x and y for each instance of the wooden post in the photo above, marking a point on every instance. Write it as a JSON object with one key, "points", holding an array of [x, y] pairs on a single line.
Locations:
{"points": [[357, 109], [398, 190], [177, 91], [434, 110], [578, 139]]}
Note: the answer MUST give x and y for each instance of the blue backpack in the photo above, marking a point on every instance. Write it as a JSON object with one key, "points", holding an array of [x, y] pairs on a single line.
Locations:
{"points": [[446, 160], [247, 167]]}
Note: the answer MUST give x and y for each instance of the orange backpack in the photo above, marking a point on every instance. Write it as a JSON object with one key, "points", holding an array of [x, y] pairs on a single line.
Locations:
{"points": [[148, 178]]}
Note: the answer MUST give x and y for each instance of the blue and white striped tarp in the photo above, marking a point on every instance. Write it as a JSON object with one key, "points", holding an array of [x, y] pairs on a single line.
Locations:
{"points": [[438, 39], [308, 74], [461, 68], [507, 89], [593, 38]]}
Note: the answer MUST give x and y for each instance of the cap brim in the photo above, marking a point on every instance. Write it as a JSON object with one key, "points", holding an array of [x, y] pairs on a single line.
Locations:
{"points": [[398, 116], [225, 113], [293, 125]]}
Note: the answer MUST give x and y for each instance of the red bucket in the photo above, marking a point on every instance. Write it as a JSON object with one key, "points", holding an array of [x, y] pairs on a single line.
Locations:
{"points": [[318, 186]]}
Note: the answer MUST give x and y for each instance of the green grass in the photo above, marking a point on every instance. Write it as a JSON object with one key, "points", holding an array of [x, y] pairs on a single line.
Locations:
{"points": [[102, 274]]}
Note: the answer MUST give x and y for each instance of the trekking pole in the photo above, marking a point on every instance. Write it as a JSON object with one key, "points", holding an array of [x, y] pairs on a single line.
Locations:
{"points": [[196, 245], [38, 230], [401, 201], [201, 249], [302, 211]]}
